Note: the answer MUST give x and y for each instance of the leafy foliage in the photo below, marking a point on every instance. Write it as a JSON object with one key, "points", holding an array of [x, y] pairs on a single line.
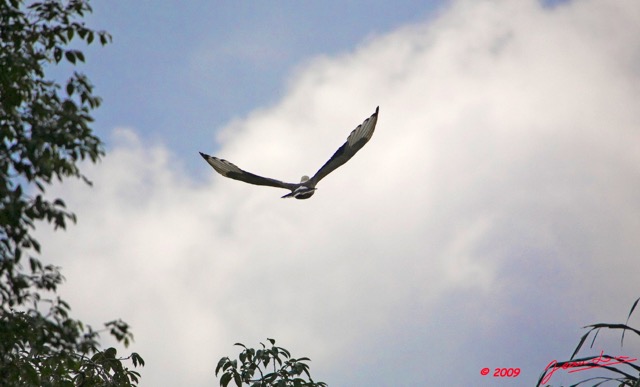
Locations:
{"points": [[45, 133], [629, 372], [251, 361]]}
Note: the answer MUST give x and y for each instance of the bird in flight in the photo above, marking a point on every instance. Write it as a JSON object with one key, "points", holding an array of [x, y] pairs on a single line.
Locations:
{"points": [[307, 186]]}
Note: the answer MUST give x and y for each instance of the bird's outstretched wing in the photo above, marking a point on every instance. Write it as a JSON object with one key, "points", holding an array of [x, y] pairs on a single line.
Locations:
{"points": [[231, 171], [356, 140]]}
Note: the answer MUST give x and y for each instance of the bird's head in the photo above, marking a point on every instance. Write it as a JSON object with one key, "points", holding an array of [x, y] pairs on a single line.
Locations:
{"points": [[304, 179]]}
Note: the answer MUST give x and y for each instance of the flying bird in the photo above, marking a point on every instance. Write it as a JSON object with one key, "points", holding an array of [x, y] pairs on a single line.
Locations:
{"points": [[307, 186]]}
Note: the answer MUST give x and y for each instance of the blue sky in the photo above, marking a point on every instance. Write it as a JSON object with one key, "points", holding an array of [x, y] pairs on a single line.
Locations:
{"points": [[492, 215], [178, 71]]}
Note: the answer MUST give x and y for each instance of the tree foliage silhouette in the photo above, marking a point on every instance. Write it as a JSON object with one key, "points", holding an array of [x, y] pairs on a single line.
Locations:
{"points": [[626, 372], [45, 131], [266, 367]]}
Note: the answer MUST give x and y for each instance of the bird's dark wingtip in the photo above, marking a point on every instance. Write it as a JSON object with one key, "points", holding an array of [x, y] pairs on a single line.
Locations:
{"points": [[204, 155], [377, 108]]}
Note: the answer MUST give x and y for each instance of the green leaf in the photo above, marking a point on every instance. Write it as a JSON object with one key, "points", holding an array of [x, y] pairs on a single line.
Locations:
{"points": [[31, 374], [36, 245], [57, 54], [137, 359], [71, 56], [633, 307], [110, 353], [225, 379], [221, 363]]}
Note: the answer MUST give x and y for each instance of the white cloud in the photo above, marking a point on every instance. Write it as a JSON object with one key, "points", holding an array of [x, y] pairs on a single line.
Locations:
{"points": [[493, 213]]}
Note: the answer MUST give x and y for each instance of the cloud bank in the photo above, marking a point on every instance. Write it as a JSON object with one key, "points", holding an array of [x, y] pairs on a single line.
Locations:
{"points": [[494, 212]]}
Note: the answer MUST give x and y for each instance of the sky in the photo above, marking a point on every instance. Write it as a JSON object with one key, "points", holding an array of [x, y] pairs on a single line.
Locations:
{"points": [[493, 214]]}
